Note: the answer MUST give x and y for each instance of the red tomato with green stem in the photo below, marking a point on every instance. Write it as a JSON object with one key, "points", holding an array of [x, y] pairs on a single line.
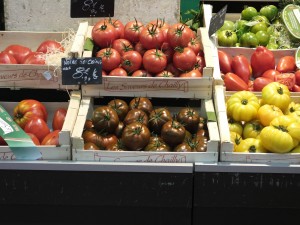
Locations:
{"points": [[132, 31], [154, 61], [103, 34], [52, 138], [234, 83], [7, 58], [195, 44], [225, 61], [119, 27], [26, 109], [122, 45], [286, 64], [38, 127], [241, 66], [59, 118], [111, 58], [184, 58], [19, 52], [152, 37], [162, 24], [261, 60], [179, 35], [131, 61], [200, 64]]}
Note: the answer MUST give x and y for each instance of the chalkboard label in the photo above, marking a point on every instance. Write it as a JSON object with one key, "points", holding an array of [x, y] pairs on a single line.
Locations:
{"points": [[217, 21], [92, 8], [76, 71]]}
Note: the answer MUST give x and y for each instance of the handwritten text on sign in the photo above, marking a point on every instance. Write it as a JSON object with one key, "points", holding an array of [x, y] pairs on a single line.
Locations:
{"points": [[92, 8], [81, 71]]}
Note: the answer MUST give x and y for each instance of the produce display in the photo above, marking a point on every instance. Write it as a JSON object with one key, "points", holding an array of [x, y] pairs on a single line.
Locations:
{"points": [[20, 54], [243, 73], [266, 124], [32, 116], [138, 125], [155, 49], [270, 26]]}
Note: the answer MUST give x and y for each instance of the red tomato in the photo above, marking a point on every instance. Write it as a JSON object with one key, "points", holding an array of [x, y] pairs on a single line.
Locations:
{"points": [[141, 73], [260, 82], [34, 139], [286, 64], [152, 37], [225, 61], [103, 34], [2, 142], [168, 50], [165, 73], [271, 74], [132, 31], [179, 35], [111, 58], [38, 127], [200, 64], [7, 58], [196, 45], [287, 79], [296, 88], [26, 109], [119, 72], [241, 67], [131, 61], [297, 76], [52, 138], [50, 46], [34, 58], [262, 60], [140, 48], [119, 27], [192, 73], [59, 118], [234, 83], [122, 45], [19, 52], [184, 59], [154, 61], [161, 23], [172, 69]]}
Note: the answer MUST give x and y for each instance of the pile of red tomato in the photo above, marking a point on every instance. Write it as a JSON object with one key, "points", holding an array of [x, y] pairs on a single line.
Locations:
{"points": [[20, 54], [154, 49], [241, 73], [31, 115]]}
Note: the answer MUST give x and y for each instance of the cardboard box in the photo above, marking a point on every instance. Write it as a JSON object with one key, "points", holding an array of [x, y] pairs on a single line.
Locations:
{"points": [[16, 76], [49, 152], [85, 112], [226, 146]]}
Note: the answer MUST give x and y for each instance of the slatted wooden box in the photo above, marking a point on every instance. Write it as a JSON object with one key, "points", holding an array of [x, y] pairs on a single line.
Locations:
{"points": [[49, 152]]}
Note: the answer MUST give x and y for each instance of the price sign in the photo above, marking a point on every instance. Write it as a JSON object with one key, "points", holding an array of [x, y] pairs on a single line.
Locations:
{"points": [[217, 21], [92, 8], [76, 71]]}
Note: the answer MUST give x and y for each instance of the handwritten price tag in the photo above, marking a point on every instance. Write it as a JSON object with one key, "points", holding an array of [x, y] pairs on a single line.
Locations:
{"points": [[92, 8], [217, 21], [76, 71]]}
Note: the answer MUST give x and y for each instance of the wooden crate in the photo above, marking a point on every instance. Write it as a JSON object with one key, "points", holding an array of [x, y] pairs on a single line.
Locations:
{"points": [[158, 86], [16, 76], [49, 152], [85, 112], [226, 146]]}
